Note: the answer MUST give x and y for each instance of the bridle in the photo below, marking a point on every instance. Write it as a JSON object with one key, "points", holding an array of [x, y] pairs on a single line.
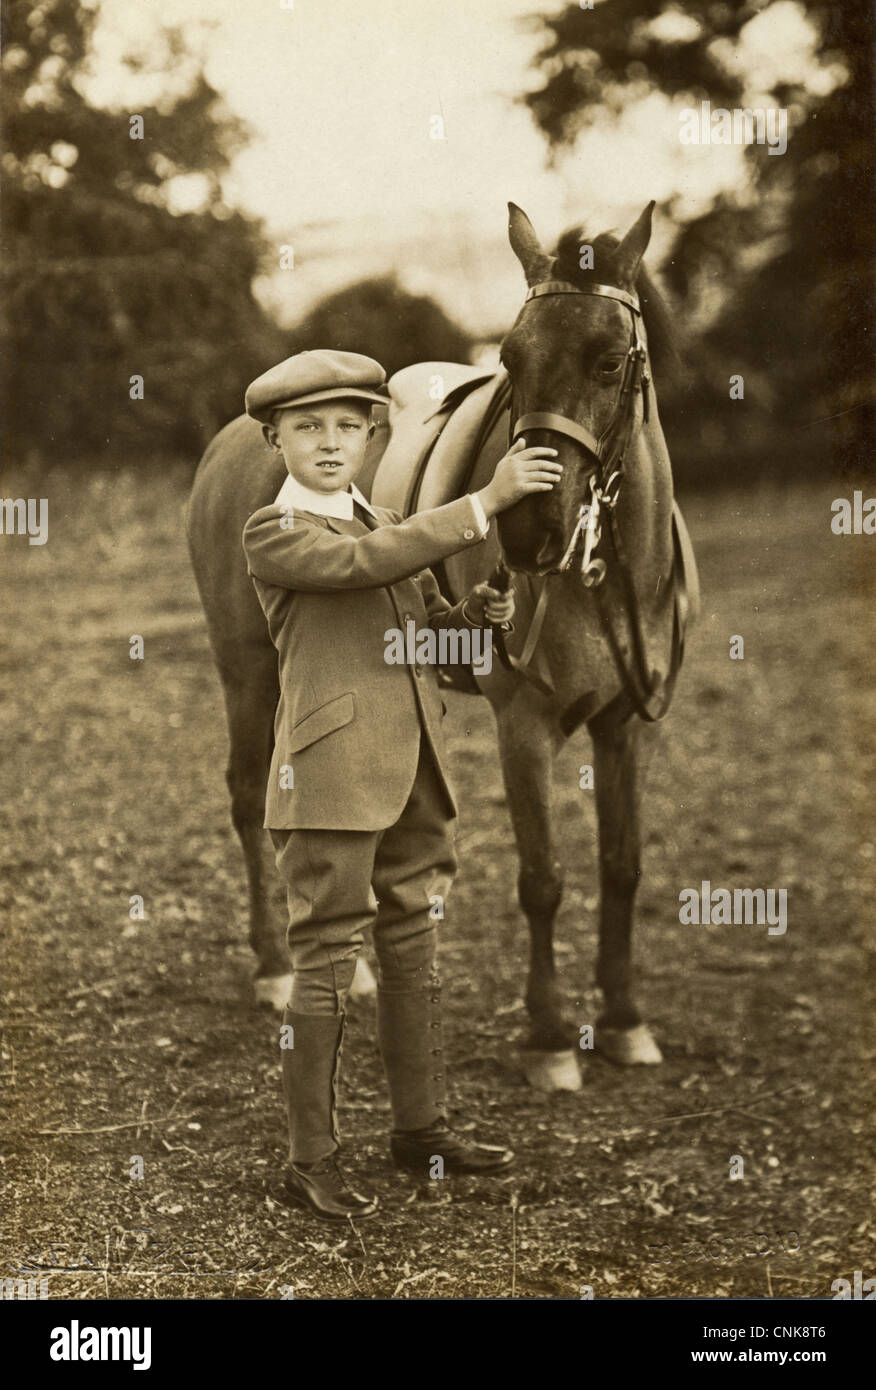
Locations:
{"points": [[611, 445], [648, 694]]}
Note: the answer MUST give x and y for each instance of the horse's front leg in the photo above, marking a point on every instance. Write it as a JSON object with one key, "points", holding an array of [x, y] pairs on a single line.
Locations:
{"points": [[528, 742], [617, 765]]}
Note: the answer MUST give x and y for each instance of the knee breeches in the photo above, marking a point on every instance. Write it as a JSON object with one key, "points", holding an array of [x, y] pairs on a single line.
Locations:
{"points": [[339, 882]]}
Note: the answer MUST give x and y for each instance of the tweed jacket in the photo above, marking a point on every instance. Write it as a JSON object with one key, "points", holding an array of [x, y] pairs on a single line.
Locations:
{"points": [[348, 724]]}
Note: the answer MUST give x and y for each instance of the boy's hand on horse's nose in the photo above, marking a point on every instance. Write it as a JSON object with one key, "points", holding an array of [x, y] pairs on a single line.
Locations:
{"points": [[521, 471], [485, 603]]}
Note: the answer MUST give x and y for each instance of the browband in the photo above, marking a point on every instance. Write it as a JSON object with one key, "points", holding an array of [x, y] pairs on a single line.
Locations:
{"points": [[566, 287]]}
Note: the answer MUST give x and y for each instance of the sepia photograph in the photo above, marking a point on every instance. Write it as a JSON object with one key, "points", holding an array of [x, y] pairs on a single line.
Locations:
{"points": [[437, 521]]}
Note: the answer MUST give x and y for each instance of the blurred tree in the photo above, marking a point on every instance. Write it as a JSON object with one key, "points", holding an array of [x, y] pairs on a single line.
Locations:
{"points": [[794, 253], [380, 319], [102, 281]]}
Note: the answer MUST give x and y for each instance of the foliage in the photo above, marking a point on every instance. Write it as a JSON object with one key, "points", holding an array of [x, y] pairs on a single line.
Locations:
{"points": [[102, 280], [793, 253], [381, 319]]}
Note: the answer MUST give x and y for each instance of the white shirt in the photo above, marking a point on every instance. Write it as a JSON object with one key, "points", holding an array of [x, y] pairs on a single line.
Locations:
{"points": [[307, 499], [340, 504]]}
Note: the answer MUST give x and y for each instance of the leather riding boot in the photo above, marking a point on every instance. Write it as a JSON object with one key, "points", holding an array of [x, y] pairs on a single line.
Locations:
{"points": [[310, 1082], [410, 1035], [410, 1039], [418, 1150]]}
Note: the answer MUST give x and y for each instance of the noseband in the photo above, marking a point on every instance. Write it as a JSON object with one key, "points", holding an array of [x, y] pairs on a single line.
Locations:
{"points": [[611, 445]]}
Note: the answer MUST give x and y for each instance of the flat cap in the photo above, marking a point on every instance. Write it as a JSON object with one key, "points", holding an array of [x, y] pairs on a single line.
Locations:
{"points": [[321, 375]]}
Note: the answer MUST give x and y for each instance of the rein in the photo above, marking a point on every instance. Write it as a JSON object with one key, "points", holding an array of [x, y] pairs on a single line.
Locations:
{"points": [[642, 688]]}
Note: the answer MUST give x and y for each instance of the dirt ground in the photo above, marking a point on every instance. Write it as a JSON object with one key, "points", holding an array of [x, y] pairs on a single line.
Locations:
{"points": [[139, 1038]]}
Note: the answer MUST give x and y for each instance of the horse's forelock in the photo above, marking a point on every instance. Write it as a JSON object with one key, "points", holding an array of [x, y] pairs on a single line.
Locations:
{"points": [[662, 344]]}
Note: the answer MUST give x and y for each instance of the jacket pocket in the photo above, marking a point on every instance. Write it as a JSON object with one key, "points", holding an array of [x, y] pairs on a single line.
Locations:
{"points": [[334, 714]]}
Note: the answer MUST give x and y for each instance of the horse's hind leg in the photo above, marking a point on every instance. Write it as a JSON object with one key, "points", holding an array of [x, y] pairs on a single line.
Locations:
{"points": [[528, 741], [620, 1033], [250, 689]]}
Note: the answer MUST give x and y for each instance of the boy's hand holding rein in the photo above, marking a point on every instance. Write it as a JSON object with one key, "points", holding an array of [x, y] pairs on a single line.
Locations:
{"points": [[488, 605]]}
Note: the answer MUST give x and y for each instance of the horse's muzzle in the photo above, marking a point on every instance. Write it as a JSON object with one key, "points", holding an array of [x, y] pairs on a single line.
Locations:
{"points": [[540, 559]]}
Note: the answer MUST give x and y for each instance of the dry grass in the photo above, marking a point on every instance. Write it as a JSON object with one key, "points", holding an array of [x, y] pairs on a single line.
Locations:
{"points": [[140, 1036]]}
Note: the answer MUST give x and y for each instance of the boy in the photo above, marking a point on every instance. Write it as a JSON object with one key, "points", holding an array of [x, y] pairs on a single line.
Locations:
{"points": [[358, 804]]}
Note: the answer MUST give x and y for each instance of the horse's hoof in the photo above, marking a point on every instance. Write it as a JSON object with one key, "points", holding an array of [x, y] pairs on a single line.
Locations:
{"points": [[273, 990], [552, 1071], [629, 1047], [364, 985]]}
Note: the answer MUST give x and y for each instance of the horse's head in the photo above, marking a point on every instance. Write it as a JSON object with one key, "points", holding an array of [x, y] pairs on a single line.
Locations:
{"points": [[580, 359]]}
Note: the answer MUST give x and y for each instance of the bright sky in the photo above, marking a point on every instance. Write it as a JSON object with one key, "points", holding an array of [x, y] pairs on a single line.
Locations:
{"points": [[342, 99]]}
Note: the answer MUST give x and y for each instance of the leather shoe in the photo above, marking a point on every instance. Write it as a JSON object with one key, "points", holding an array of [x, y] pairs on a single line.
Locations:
{"points": [[322, 1189], [417, 1149]]}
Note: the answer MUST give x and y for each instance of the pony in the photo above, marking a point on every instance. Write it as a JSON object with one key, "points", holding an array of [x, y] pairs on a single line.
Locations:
{"points": [[605, 585]]}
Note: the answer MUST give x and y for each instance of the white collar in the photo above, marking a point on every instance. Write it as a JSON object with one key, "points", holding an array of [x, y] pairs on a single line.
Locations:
{"points": [[336, 504]]}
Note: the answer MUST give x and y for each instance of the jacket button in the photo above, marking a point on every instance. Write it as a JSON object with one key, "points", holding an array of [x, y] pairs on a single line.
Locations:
{"points": [[468, 534]]}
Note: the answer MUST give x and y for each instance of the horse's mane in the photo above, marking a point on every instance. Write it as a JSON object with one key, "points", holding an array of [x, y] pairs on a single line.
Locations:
{"points": [[662, 345]]}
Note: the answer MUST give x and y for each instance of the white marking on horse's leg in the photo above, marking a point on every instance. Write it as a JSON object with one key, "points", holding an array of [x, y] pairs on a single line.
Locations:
{"points": [[629, 1047], [364, 985], [552, 1071], [273, 990]]}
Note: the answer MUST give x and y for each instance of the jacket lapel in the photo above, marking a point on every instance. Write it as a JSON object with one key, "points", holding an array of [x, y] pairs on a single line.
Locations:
{"points": [[357, 527]]}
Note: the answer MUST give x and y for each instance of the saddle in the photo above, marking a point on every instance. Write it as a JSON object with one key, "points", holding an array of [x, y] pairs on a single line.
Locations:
{"points": [[432, 440]]}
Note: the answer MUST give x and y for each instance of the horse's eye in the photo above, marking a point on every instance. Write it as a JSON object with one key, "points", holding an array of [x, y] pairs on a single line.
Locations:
{"points": [[610, 366]]}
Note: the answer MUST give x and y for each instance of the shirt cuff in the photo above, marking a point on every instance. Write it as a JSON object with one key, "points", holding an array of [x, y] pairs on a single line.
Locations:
{"points": [[480, 514]]}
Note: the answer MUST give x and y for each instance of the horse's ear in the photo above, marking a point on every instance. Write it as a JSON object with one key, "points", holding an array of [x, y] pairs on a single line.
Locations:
{"points": [[526, 246], [633, 247]]}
